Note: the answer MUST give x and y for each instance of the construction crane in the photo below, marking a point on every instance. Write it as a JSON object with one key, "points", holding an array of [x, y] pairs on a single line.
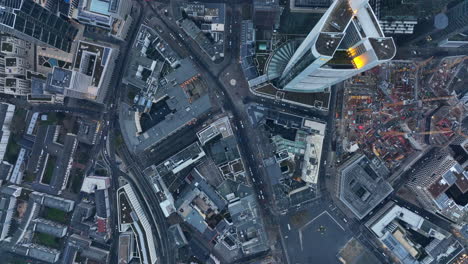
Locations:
{"points": [[387, 114], [456, 62], [424, 62], [398, 133], [408, 102]]}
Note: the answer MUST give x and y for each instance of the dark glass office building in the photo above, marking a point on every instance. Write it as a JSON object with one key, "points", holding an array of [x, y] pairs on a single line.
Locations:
{"points": [[30, 21]]}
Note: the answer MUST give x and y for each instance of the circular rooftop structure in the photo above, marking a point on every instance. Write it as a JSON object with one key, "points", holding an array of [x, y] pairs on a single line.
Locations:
{"points": [[280, 58], [441, 21]]}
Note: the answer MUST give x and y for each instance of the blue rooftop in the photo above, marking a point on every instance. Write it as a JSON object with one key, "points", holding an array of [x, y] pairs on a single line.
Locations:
{"points": [[100, 7]]}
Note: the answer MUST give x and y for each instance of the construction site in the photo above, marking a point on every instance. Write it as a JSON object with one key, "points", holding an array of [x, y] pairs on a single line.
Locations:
{"points": [[398, 109]]}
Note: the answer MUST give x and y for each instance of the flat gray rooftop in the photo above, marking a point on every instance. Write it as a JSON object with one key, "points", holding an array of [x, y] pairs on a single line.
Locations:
{"points": [[245, 217], [183, 109], [362, 185]]}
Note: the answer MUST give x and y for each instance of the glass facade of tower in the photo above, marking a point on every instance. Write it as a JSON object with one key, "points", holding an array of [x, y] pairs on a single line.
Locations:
{"points": [[347, 40], [306, 60]]}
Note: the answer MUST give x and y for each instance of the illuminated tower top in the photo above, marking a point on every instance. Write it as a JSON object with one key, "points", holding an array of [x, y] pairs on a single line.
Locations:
{"points": [[346, 41]]}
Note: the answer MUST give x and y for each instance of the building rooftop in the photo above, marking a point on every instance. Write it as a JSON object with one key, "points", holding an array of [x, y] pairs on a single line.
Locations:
{"points": [[181, 160], [362, 184], [395, 212], [177, 97], [53, 157], [88, 131], [395, 226], [38, 86], [250, 231], [196, 181], [92, 59], [200, 38], [83, 211], [94, 183], [43, 253], [177, 235], [96, 254], [224, 150], [49, 227], [221, 127], [102, 203], [5, 170], [37, 23], [213, 12], [6, 115], [53, 201], [312, 3], [134, 73], [61, 78], [194, 219], [148, 42], [126, 247], [8, 199], [140, 222]]}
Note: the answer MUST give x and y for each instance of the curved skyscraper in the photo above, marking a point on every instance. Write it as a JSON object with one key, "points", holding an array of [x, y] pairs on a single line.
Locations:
{"points": [[347, 40]]}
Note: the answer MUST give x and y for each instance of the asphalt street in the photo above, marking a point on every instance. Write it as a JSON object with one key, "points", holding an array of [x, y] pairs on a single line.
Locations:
{"points": [[244, 131], [326, 229], [317, 239], [146, 196]]}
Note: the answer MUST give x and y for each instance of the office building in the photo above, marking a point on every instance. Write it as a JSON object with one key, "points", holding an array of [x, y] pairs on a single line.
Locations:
{"points": [[30, 21], [50, 228], [444, 27], [395, 25], [98, 186], [6, 115], [69, 83], [266, 14], [51, 160], [183, 94], [14, 66], [309, 6], [14, 47], [55, 202], [411, 238], [132, 216], [441, 184], [126, 247], [35, 251], [88, 79], [346, 41], [8, 201], [113, 15], [457, 23], [396, 16], [361, 184]]}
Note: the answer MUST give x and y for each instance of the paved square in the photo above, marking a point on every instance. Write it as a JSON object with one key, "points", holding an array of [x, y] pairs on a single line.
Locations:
{"points": [[318, 241]]}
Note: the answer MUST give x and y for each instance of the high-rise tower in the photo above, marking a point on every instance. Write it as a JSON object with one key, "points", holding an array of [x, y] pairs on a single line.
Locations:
{"points": [[29, 21], [347, 40]]}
